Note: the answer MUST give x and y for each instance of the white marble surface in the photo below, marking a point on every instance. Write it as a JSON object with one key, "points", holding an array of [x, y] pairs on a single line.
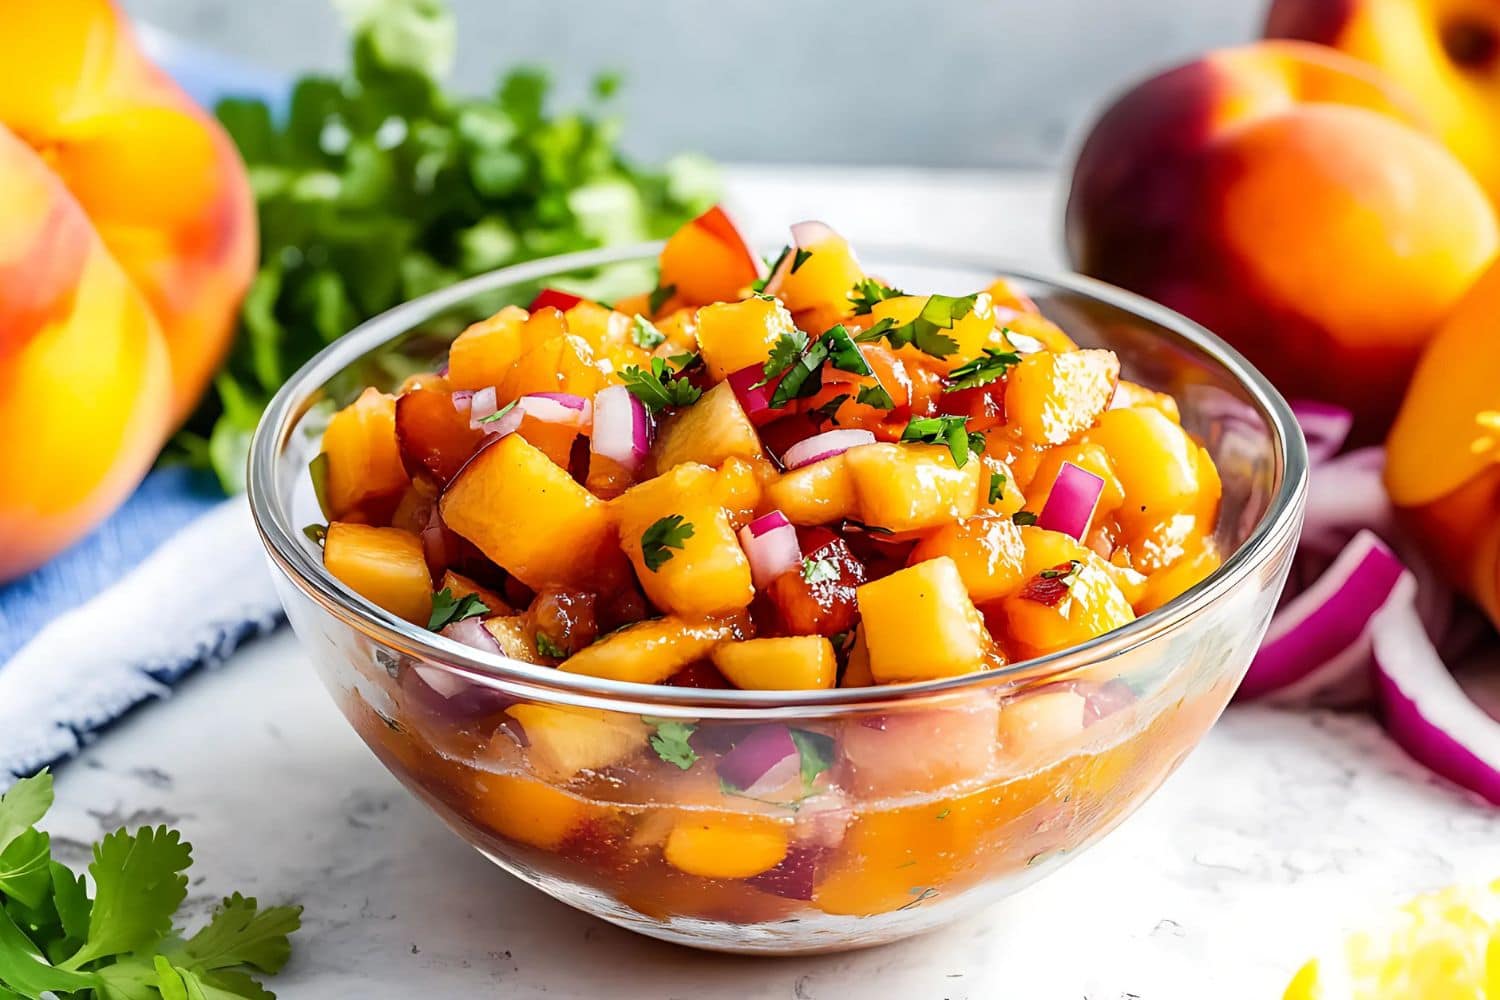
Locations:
{"points": [[1278, 829]]}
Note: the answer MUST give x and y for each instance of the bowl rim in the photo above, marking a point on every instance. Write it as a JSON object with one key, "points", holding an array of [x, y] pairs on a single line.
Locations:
{"points": [[303, 389]]}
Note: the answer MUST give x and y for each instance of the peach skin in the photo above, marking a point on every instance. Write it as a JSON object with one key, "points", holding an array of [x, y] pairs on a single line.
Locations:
{"points": [[1288, 198], [1445, 53], [127, 242], [1443, 454]]}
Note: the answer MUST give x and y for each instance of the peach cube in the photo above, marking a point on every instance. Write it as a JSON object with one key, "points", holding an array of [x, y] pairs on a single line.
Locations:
{"points": [[919, 624]]}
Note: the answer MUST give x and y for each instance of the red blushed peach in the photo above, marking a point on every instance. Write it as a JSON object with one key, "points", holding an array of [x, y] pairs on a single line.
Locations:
{"points": [[1286, 197]]}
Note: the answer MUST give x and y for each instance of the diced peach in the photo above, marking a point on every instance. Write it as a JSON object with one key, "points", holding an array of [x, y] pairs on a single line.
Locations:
{"points": [[527, 810], [1038, 328], [726, 845], [820, 493], [707, 260], [794, 663], [708, 432], [738, 488], [908, 487], [1069, 596], [1156, 462], [734, 335], [817, 597], [530, 517], [648, 652], [562, 741], [1179, 577], [987, 550], [917, 752], [553, 440], [971, 332], [461, 586], [920, 624], [385, 566], [515, 637], [483, 354], [1036, 729], [600, 325], [827, 275], [364, 460], [1128, 394], [559, 364], [1054, 397], [435, 438]]}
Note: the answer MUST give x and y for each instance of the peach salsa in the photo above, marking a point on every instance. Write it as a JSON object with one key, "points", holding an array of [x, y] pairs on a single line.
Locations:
{"points": [[774, 477]]}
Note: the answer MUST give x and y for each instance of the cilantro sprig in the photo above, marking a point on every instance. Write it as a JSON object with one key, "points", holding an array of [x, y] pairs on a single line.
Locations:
{"points": [[799, 363], [949, 430], [644, 333], [868, 293], [989, 367], [660, 388], [447, 609], [670, 741], [664, 535], [997, 487], [925, 331], [120, 944]]}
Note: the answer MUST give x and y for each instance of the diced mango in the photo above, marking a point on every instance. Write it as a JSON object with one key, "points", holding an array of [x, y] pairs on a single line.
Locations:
{"points": [[735, 335], [649, 652], [1054, 397], [1128, 394], [1036, 729], [530, 517], [920, 624], [558, 364], [794, 663], [483, 354], [1156, 462], [527, 810], [908, 487], [515, 637], [601, 326], [971, 331], [385, 566], [726, 845], [987, 550], [708, 432], [364, 458], [1179, 577], [825, 278], [738, 488], [820, 493], [562, 741], [1069, 596], [461, 586]]}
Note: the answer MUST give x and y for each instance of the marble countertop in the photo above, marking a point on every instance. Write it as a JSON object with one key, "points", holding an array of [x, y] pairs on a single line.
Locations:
{"points": [[1278, 829]]}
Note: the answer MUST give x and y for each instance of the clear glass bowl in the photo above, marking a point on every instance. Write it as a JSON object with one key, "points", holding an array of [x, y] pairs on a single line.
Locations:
{"points": [[942, 796]]}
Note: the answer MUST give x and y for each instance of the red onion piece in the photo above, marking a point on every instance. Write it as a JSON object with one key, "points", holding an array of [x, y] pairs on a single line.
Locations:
{"points": [[825, 445], [559, 300], [482, 403], [471, 632], [771, 545], [754, 400], [1320, 638], [759, 758], [562, 408], [463, 400], [1423, 707], [1071, 503], [794, 876], [1325, 426], [1103, 700], [622, 427]]}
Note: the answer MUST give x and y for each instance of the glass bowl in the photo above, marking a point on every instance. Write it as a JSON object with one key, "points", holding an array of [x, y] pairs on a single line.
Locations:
{"points": [[917, 803]]}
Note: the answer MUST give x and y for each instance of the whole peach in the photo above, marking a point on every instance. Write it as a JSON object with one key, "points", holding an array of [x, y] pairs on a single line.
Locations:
{"points": [[1285, 196]]}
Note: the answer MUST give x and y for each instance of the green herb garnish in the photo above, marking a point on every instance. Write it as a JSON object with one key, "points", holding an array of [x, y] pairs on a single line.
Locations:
{"points": [[1023, 518], [659, 296], [660, 388], [498, 414], [997, 486], [799, 365], [925, 332], [949, 430], [645, 334], [876, 396], [819, 570], [316, 533], [816, 753], [670, 741], [1062, 572], [657, 541], [987, 368], [447, 609], [799, 259], [784, 353], [546, 647], [867, 293], [830, 410], [318, 470]]}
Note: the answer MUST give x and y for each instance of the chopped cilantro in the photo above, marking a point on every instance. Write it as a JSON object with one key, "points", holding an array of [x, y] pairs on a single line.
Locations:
{"points": [[944, 813], [1062, 571], [800, 364], [816, 753], [659, 296], [670, 532], [844, 353], [318, 469], [819, 570], [949, 430], [546, 647], [983, 370], [670, 741], [447, 609], [499, 413], [659, 388], [925, 332], [1023, 517], [997, 486], [804, 377], [830, 410], [867, 293], [784, 353], [682, 362], [876, 396], [800, 258], [316, 533], [644, 333]]}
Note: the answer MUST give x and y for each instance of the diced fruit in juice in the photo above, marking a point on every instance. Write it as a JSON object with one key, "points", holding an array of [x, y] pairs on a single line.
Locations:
{"points": [[435, 438], [1052, 398], [1087, 456], [528, 515], [601, 326], [1178, 578], [364, 459], [1068, 598], [987, 550], [794, 663], [707, 260], [857, 668], [385, 566], [820, 493], [553, 440], [527, 810], [483, 354], [558, 364], [708, 432], [726, 845], [1129, 394], [971, 332], [649, 652], [514, 637], [1156, 461], [999, 480], [738, 488], [825, 278], [918, 752], [461, 586], [1036, 729], [567, 618], [920, 624], [693, 566], [561, 741], [908, 487], [817, 597], [734, 335]]}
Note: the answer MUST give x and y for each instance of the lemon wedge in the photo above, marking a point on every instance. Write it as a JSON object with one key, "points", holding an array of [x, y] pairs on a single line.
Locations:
{"points": [[1443, 945]]}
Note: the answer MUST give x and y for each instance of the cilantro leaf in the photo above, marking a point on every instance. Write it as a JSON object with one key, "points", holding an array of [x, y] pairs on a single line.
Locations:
{"points": [[876, 396], [949, 430], [803, 378], [830, 410], [818, 570], [24, 969], [139, 883], [867, 293], [816, 753], [315, 533], [546, 647], [1023, 518], [800, 365], [843, 353], [23, 805], [784, 354], [241, 933], [659, 296], [645, 334], [25, 868], [659, 388], [989, 367], [318, 470], [447, 609], [670, 741], [997, 486], [1064, 571], [799, 259], [665, 534], [925, 332]]}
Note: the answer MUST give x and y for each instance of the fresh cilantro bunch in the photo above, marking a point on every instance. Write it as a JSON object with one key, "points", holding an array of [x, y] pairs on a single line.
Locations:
{"points": [[380, 186], [56, 941]]}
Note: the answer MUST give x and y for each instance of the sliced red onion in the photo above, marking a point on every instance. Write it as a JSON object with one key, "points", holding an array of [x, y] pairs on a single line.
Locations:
{"points": [[754, 399], [1325, 426], [763, 759], [482, 403], [771, 545], [463, 401], [562, 408], [1423, 707], [825, 445], [622, 428], [559, 300], [1320, 638], [470, 632], [1071, 503]]}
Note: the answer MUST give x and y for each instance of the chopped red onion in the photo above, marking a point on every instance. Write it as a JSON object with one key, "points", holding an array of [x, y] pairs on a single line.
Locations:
{"points": [[562, 408], [763, 759], [794, 876], [771, 545], [754, 399], [482, 403], [1071, 503], [471, 632], [1324, 425], [463, 400], [825, 445], [622, 428]]}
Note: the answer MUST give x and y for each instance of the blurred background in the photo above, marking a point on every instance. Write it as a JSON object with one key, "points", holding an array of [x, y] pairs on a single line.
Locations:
{"points": [[1019, 80]]}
